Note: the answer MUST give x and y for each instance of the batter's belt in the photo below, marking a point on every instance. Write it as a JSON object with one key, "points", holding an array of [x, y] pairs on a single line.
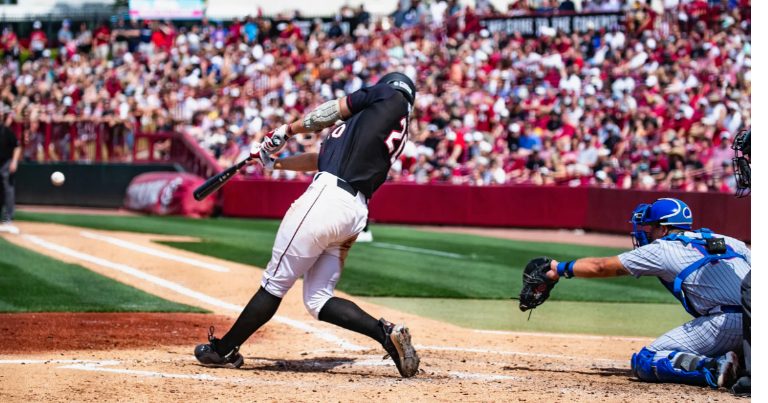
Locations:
{"points": [[340, 183]]}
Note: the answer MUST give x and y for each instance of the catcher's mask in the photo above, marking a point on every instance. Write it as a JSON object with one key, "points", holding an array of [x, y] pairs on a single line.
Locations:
{"points": [[667, 211], [741, 163]]}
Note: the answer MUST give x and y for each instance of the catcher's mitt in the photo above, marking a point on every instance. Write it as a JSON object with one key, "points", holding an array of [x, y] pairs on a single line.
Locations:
{"points": [[536, 284]]}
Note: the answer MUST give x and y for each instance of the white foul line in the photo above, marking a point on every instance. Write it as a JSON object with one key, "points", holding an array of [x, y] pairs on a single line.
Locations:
{"points": [[565, 336], [99, 366], [419, 250], [190, 293], [154, 252], [51, 361]]}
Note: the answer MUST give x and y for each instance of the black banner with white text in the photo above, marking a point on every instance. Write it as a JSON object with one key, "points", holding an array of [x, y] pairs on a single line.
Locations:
{"points": [[531, 25]]}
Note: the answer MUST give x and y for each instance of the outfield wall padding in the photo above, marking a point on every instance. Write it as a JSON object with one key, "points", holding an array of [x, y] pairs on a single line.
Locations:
{"points": [[604, 210], [86, 185]]}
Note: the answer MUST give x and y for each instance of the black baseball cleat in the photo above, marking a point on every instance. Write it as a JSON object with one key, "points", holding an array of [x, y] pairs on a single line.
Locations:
{"points": [[399, 347], [727, 364], [743, 388], [207, 355]]}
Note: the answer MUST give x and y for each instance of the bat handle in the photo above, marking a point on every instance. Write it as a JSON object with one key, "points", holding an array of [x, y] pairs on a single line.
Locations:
{"points": [[276, 142]]}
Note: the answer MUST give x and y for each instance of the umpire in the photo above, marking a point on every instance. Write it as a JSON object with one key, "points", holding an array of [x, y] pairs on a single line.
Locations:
{"points": [[9, 160], [742, 168]]}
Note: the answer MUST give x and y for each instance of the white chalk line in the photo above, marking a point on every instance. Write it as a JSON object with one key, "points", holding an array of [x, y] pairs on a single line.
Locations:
{"points": [[93, 365], [565, 336], [206, 377], [98, 367], [154, 252], [23, 362], [189, 293], [419, 250]]}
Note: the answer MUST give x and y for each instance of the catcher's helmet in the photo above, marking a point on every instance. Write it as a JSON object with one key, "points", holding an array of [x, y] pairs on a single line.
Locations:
{"points": [[400, 82], [666, 211], [741, 163]]}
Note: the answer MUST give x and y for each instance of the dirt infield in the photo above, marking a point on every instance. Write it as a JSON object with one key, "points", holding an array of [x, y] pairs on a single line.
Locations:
{"points": [[298, 359], [64, 332]]}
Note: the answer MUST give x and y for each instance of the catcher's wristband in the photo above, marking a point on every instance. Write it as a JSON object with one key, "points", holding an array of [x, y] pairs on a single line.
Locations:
{"points": [[566, 269]]}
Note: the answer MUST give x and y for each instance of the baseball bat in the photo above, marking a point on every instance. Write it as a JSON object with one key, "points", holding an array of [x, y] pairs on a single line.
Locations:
{"points": [[215, 183]]}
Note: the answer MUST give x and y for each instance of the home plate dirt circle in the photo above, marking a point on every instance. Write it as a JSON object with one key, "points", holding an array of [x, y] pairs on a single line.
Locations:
{"points": [[293, 358]]}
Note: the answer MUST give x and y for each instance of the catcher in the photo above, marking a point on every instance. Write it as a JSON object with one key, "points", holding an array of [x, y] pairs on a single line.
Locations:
{"points": [[701, 269], [742, 167]]}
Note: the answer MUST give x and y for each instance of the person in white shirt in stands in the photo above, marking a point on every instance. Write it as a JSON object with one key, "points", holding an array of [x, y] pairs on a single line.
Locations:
{"points": [[610, 5]]}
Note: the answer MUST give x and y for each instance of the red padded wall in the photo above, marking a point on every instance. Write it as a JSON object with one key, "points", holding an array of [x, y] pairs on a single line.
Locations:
{"points": [[605, 210]]}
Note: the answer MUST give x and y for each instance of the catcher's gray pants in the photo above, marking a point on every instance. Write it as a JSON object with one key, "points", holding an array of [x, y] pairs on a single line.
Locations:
{"points": [[746, 307], [7, 192], [712, 336]]}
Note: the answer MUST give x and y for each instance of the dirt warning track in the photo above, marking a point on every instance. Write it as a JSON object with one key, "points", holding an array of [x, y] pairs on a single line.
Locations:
{"points": [[294, 358]]}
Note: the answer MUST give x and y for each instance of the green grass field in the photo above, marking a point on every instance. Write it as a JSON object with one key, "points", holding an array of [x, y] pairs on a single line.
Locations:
{"points": [[31, 282], [605, 318], [487, 268], [462, 279]]}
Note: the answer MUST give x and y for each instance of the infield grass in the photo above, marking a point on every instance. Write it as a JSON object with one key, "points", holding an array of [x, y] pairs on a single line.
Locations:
{"points": [[403, 262], [612, 319], [31, 282]]}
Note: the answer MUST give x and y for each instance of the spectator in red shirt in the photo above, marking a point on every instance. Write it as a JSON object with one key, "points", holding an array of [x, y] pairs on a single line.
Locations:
{"points": [[8, 38], [159, 38], [101, 37], [38, 41], [10, 46]]}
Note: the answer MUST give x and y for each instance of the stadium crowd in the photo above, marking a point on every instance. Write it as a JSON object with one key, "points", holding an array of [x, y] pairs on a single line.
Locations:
{"points": [[651, 104]]}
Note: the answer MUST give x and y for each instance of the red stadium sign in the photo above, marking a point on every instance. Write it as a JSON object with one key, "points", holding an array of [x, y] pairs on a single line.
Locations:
{"points": [[166, 193]]}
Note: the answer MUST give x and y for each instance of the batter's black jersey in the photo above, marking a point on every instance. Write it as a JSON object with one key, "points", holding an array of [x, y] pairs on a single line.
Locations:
{"points": [[362, 150]]}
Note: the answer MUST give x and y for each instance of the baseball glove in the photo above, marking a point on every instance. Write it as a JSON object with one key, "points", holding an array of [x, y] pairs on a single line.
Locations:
{"points": [[536, 284]]}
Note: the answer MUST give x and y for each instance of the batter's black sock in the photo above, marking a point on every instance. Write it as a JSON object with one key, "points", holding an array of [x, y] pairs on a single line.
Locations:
{"points": [[347, 314], [259, 311]]}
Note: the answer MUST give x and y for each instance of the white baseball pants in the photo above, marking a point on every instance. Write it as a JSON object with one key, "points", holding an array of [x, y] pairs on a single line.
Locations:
{"points": [[313, 241]]}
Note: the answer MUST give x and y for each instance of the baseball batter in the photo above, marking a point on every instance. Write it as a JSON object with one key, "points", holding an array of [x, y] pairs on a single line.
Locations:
{"points": [[703, 270], [321, 226]]}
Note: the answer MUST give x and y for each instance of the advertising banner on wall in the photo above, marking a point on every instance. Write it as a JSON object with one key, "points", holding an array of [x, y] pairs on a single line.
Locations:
{"points": [[167, 193], [536, 25], [166, 9]]}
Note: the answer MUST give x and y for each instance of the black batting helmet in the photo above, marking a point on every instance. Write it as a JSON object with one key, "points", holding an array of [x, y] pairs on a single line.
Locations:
{"points": [[400, 82], [741, 163]]}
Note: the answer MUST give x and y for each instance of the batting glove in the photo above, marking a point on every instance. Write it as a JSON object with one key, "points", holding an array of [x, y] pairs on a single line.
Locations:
{"points": [[275, 140], [258, 153]]}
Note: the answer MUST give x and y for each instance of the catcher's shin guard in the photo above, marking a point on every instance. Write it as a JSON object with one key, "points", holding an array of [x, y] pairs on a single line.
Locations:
{"points": [[685, 368]]}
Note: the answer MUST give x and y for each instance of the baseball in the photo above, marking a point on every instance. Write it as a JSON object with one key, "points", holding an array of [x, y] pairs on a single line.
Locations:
{"points": [[57, 178]]}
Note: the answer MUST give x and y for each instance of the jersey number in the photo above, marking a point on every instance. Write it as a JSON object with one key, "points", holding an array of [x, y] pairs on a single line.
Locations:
{"points": [[396, 136], [338, 131]]}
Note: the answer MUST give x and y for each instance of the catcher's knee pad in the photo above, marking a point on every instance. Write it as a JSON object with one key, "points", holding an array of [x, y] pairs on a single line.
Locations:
{"points": [[642, 365], [674, 367]]}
